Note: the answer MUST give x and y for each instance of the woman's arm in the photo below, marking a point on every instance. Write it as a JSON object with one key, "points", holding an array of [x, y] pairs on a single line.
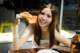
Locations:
{"points": [[62, 39], [19, 41]]}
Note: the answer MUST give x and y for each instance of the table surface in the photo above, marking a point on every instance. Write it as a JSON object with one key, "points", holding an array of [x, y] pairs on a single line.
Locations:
{"points": [[31, 50]]}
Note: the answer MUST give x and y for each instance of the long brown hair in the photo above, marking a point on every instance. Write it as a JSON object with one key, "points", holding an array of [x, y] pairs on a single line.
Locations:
{"points": [[52, 26]]}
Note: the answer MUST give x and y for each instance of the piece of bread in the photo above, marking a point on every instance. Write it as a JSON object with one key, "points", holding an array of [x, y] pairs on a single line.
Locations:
{"points": [[26, 14], [29, 17]]}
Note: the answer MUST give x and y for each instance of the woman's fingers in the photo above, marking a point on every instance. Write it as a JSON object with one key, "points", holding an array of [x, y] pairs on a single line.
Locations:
{"points": [[54, 47], [17, 21], [19, 15]]}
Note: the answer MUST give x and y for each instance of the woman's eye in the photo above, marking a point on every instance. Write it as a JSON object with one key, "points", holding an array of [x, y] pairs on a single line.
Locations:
{"points": [[48, 16], [42, 13]]}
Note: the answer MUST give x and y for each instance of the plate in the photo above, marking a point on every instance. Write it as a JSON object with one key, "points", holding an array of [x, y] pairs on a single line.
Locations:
{"points": [[47, 51]]}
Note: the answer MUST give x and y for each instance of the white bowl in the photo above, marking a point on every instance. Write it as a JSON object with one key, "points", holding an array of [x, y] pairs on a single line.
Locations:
{"points": [[47, 51]]}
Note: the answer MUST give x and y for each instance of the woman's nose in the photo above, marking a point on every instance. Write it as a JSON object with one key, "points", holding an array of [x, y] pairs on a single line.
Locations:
{"points": [[44, 16]]}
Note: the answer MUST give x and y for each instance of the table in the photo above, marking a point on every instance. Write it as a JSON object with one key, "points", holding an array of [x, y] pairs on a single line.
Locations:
{"points": [[31, 50]]}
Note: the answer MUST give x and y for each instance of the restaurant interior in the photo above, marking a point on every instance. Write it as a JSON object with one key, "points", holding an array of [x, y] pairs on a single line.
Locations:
{"points": [[68, 14]]}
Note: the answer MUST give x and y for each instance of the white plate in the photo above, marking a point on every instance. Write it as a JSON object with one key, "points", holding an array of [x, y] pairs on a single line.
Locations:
{"points": [[47, 51]]}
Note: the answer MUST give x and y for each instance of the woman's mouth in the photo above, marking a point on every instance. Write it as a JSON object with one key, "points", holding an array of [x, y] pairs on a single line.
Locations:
{"points": [[42, 21]]}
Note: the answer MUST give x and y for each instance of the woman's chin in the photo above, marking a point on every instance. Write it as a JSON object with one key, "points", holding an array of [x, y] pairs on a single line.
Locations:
{"points": [[42, 25]]}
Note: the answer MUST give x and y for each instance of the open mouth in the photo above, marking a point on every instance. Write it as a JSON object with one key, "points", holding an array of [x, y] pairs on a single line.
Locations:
{"points": [[42, 21]]}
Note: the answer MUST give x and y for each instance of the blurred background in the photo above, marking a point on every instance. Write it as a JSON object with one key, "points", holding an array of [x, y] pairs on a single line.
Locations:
{"points": [[68, 14]]}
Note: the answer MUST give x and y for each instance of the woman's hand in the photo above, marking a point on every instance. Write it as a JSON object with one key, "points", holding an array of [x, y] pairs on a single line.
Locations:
{"points": [[17, 22], [61, 48], [54, 47], [18, 17]]}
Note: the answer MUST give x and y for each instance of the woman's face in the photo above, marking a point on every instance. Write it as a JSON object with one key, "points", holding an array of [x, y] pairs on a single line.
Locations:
{"points": [[45, 17]]}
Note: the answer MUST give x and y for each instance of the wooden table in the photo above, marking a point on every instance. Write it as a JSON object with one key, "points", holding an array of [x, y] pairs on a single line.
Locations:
{"points": [[31, 50]]}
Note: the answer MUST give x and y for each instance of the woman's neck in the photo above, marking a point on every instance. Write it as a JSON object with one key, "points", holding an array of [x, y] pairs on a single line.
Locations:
{"points": [[44, 30], [45, 33]]}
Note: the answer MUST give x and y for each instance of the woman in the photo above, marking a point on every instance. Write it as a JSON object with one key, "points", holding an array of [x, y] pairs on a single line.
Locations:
{"points": [[44, 30]]}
